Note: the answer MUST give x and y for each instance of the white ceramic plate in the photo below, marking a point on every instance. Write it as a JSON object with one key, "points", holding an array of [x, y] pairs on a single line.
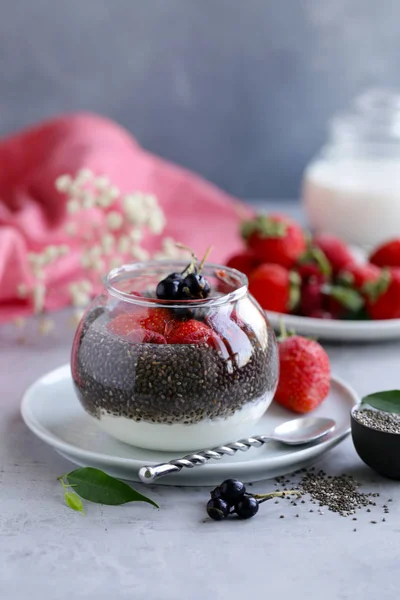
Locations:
{"points": [[52, 411], [336, 330]]}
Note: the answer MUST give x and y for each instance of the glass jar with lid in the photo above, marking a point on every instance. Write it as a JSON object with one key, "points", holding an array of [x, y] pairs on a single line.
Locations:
{"points": [[352, 187]]}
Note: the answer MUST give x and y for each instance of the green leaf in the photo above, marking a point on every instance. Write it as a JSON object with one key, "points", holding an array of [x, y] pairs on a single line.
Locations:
{"points": [[316, 255], [73, 501], [265, 227], [96, 486], [348, 298], [388, 401], [375, 289]]}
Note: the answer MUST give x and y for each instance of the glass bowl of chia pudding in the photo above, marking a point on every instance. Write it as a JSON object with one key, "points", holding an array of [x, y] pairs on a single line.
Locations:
{"points": [[169, 359]]}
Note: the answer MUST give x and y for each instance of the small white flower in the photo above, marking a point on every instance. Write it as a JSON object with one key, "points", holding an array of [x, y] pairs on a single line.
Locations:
{"points": [[73, 206], [98, 265], [115, 262], [95, 251], [102, 182], [88, 199], [19, 322], [86, 286], [114, 220], [139, 253], [45, 326], [50, 253], [156, 222], [107, 243], [63, 250], [38, 297], [104, 200], [63, 183], [86, 260], [84, 175], [22, 290], [113, 192], [124, 243], [136, 235], [71, 229]]}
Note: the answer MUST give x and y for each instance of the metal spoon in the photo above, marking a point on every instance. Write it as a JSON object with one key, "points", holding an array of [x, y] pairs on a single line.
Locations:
{"points": [[293, 433]]}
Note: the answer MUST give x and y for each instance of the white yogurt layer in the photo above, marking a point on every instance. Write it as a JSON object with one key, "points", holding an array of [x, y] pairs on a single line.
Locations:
{"points": [[180, 437]]}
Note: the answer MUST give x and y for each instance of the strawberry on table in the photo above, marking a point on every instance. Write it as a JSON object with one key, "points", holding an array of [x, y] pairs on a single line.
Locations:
{"points": [[275, 288], [304, 380], [383, 296], [335, 250], [387, 255], [245, 262], [274, 239]]}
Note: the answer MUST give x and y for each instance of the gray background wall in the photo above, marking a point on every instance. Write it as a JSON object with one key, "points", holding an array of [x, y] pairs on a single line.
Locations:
{"points": [[238, 90]]}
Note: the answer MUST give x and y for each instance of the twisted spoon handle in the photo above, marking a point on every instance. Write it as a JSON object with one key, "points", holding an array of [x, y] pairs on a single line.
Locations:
{"points": [[150, 474]]}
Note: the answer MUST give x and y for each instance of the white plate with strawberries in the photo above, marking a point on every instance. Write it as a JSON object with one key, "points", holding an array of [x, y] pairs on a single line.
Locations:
{"points": [[317, 285], [344, 331]]}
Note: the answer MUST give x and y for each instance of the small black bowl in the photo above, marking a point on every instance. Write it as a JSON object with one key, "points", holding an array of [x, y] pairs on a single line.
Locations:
{"points": [[378, 449]]}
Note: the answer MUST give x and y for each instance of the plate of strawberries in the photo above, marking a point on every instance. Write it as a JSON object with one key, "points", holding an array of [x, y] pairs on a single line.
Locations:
{"points": [[317, 284]]}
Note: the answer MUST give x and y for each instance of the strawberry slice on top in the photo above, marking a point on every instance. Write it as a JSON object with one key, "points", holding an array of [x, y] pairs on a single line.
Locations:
{"points": [[192, 332], [159, 321]]}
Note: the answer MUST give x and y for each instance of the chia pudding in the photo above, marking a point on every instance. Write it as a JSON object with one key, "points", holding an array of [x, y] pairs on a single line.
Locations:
{"points": [[155, 392]]}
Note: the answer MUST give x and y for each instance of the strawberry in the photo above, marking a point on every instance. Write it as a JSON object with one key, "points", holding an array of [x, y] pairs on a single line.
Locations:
{"points": [[245, 262], [304, 380], [192, 332], [274, 239], [336, 251], [384, 296], [311, 298], [357, 275], [157, 320], [137, 336], [160, 320], [274, 287], [387, 255]]}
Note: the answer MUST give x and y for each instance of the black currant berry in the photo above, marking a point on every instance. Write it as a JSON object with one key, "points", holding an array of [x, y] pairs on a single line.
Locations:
{"points": [[246, 507], [195, 286], [232, 490], [170, 287], [217, 509], [216, 492]]}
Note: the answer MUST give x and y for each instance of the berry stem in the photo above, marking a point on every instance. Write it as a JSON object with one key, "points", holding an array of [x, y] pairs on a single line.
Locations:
{"points": [[265, 497], [203, 260]]}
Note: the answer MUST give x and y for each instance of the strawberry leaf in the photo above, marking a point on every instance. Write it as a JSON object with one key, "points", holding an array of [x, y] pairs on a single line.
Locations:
{"points": [[347, 297], [388, 401], [374, 289], [264, 226]]}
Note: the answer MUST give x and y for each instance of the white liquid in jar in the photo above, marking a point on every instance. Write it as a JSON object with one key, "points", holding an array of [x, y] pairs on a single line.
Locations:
{"points": [[357, 200]]}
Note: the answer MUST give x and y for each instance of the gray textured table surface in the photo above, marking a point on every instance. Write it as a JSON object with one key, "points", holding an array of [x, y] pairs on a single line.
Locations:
{"points": [[137, 552]]}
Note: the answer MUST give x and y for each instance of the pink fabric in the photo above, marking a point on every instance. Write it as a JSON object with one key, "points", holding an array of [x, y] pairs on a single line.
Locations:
{"points": [[32, 212]]}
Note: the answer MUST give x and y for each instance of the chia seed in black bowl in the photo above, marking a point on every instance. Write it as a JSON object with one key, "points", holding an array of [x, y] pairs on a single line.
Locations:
{"points": [[157, 375], [376, 438]]}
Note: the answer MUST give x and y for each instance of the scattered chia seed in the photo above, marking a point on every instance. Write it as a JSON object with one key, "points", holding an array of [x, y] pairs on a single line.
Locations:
{"points": [[340, 493], [378, 420]]}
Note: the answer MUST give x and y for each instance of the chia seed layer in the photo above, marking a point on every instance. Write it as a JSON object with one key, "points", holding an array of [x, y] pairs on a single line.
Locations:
{"points": [[380, 421], [167, 383]]}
